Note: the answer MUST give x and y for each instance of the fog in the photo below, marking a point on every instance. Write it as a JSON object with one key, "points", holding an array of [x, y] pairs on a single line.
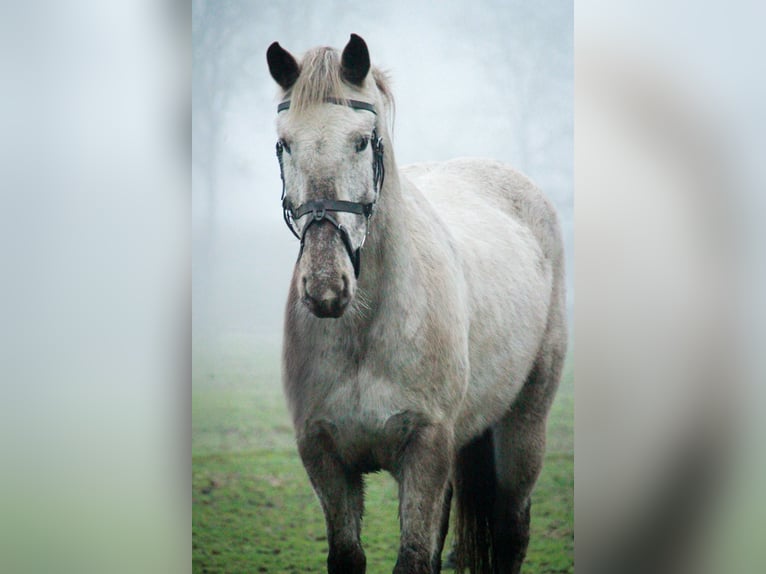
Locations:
{"points": [[485, 79]]}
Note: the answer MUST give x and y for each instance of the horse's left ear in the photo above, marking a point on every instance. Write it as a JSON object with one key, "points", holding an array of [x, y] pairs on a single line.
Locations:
{"points": [[355, 62], [283, 67]]}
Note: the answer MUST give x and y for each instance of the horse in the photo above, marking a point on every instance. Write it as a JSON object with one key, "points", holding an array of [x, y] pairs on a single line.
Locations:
{"points": [[425, 326]]}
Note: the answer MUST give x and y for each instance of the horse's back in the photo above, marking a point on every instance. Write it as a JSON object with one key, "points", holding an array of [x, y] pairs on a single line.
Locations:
{"points": [[459, 185], [506, 233]]}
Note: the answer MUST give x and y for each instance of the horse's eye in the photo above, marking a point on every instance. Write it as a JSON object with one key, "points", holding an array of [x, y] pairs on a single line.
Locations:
{"points": [[285, 146], [361, 143]]}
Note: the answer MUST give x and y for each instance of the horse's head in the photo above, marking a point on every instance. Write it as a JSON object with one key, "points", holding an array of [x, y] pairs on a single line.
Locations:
{"points": [[331, 157]]}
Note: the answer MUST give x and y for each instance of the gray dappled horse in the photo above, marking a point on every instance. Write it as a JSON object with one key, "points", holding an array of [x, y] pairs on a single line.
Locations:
{"points": [[437, 354]]}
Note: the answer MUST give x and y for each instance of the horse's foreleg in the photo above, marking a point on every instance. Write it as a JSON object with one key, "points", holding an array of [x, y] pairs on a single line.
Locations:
{"points": [[422, 473], [341, 494]]}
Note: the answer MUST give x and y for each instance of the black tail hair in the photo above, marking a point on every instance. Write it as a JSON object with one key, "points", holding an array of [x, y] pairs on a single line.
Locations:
{"points": [[475, 487]]}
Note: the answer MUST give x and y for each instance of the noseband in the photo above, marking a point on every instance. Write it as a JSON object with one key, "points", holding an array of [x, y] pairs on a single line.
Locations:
{"points": [[321, 209]]}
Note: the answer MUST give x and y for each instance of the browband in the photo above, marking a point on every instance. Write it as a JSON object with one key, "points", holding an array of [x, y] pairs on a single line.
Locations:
{"points": [[356, 104]]}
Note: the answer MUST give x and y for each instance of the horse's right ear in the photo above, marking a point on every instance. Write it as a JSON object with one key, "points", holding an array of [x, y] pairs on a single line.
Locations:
{"points": [[283, 67], [355, 61]]}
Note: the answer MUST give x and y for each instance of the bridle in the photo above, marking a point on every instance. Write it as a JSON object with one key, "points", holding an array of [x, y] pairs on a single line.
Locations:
{"points": [[321, 209]]}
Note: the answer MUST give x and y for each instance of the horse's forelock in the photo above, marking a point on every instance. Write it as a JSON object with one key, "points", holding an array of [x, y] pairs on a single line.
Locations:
{"points": [[320, 78]]}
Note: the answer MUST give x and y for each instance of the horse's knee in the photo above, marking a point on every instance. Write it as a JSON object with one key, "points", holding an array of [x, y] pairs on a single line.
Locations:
{"points": [[346, 560], [413, 560]]}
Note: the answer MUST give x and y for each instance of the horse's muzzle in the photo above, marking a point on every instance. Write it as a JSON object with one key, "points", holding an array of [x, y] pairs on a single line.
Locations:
{"points": [[327, 302]]}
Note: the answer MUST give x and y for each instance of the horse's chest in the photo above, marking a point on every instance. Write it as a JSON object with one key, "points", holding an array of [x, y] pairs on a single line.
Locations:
{"points": [[363, 396], [362, 404], [363, 422]]}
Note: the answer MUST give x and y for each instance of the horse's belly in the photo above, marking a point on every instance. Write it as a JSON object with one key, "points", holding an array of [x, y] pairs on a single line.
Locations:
{"points": [[510, 285]]}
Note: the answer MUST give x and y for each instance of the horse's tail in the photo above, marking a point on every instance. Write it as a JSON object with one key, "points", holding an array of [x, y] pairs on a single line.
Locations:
{"points": [[475, 487]]}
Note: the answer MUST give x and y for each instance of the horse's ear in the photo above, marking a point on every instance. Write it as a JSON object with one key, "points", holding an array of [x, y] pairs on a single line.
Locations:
{"points": [[283, 67], [355, 63]]}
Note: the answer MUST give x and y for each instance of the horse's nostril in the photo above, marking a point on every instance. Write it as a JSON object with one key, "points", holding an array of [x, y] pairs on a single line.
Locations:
{"points": [[327, 302]]}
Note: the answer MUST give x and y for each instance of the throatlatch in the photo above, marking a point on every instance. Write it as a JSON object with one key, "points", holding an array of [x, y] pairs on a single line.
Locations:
{"points": [[320, 209]]}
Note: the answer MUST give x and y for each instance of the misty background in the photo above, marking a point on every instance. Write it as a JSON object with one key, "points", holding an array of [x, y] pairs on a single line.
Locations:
{"points": [[488, 79]]}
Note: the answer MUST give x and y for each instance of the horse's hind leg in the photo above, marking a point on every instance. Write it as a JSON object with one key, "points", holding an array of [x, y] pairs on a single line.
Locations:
{"points": [[518, 458], [341, 494], [519, 447]]}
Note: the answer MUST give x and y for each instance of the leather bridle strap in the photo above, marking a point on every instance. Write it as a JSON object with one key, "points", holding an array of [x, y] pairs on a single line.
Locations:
{"points": [[319, 211], [322, 215], [319, 207], [356, 104]]}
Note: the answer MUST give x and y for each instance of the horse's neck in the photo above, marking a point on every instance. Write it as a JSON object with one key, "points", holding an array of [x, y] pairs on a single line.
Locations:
{"points": [[388, 255]]}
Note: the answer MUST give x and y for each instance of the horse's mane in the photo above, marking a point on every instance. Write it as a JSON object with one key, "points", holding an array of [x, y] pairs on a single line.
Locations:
{"points": [[320, 79]]}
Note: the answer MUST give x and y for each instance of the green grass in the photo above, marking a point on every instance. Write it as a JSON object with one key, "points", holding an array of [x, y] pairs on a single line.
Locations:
{"points": [[253, 509]]}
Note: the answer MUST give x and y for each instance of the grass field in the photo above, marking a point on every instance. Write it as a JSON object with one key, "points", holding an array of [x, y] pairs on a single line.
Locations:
{"points": [[253, 507]]}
